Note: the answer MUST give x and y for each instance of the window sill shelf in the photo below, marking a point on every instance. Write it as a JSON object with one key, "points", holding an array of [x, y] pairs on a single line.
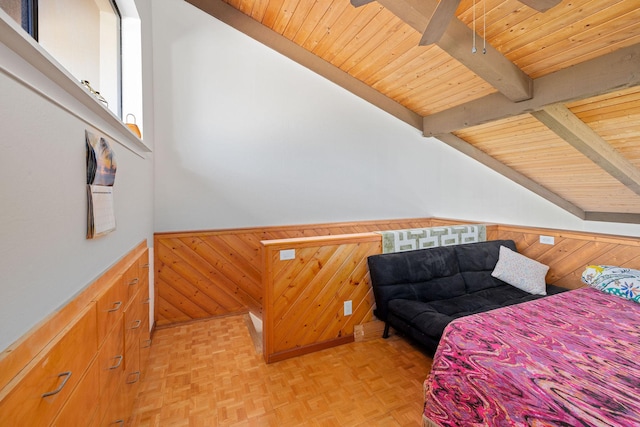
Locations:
{"points": [[12, 35]]}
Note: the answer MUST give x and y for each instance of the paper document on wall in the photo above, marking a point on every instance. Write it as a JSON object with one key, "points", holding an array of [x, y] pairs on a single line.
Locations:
{"points": [[101, 206]]}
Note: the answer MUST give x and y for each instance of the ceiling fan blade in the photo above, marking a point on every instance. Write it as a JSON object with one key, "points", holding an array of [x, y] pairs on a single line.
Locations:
{"points": [[442, 16], [540, 5], [358, 3]]}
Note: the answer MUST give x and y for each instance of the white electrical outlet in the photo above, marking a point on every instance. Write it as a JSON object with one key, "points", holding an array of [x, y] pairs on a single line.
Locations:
{"points": [[287, 254], [547, 240], [348, 309]]}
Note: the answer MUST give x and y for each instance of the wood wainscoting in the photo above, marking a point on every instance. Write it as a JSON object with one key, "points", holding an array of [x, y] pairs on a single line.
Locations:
{"points": [[572, 251], [303, 297], [203, 274]]}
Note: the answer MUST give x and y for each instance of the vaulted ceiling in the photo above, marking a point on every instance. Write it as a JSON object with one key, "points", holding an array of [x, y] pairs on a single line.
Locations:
{"points": [[553, 104]]}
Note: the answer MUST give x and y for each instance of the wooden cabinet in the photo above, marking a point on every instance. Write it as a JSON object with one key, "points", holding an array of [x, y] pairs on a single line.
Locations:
{"points": [[86, 371], [84, 405], [111, 304], [136, 336], [35, 397], [112, 361]]}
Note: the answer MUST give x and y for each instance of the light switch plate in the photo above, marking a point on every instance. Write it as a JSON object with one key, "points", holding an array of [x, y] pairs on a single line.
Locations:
{"points": [[547, 240], [348, 308], [286, 254]]}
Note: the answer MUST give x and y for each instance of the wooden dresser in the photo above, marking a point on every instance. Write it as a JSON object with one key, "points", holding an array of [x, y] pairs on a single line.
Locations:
{"points": [[82, 365]]}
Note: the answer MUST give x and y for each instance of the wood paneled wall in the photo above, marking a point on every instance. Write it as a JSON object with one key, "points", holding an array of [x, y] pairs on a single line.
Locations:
{"points": [[205, 274], [202, 274], [572, 251], [304, 296]]}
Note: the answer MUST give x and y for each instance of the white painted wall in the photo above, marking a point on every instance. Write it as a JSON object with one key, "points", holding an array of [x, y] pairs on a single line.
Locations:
{"points": [[44, 257], [246, 137]]}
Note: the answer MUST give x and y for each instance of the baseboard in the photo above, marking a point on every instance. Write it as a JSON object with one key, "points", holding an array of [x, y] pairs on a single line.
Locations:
{"points": [[299, 351]]}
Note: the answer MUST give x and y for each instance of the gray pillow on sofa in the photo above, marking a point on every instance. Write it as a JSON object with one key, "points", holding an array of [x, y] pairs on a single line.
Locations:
{"points": [[522, 272]]}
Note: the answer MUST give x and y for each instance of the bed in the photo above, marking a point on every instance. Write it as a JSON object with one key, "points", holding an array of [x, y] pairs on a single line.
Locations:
{"points": [[571, 359]]}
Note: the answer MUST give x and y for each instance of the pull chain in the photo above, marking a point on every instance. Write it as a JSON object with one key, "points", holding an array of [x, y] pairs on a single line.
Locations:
{"points": [[473, 48], [484, 27]]}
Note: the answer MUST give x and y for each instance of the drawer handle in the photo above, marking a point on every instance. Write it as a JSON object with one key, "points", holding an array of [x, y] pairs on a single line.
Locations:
{"points": [[145, 265], [117, 365], [134, 281], [116, 306], [136, 324], [119, 422], [137, 374], [147, 301], [66, 376], [147, 343]]}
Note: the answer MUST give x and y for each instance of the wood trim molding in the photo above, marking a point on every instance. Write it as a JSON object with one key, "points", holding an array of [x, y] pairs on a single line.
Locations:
{"points": [[245, 24], [299, 351], [290, 228], [306, 242]]}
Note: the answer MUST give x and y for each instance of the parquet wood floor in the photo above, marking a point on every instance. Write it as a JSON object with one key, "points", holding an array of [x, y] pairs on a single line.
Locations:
{"points": [[208, 374]]}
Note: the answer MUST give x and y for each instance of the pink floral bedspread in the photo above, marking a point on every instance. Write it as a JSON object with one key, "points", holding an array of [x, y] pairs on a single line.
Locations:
{"points": [[571, 359]]}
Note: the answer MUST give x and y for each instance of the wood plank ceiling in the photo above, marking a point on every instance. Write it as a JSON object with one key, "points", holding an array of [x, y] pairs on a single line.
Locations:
{"points": [[554, 104]]}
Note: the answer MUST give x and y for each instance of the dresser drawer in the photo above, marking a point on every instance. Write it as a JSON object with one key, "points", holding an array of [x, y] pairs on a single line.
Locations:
{"points": [[36, 395], [111, 359], [115, 414], [131, 280], [82, 407], [132, 376], [143, 267], [110, 307], [133, 321]]}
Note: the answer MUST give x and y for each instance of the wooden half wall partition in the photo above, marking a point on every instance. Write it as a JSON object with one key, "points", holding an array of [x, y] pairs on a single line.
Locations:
{"points": [[201, 274], [306, 284]]}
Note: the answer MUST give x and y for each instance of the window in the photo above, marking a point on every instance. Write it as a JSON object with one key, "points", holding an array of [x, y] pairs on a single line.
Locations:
{"points": [[23, 12], [84, 36]]}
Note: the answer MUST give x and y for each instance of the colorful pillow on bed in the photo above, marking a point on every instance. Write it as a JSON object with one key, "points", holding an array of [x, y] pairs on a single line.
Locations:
{"points": [[619, 281], [522, 272]]}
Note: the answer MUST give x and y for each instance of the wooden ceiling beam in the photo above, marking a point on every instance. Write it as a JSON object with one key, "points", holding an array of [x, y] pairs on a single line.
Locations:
{"points": [[492, 67], [578, 134], [613, 71], [515, 176], [628, 218]]}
